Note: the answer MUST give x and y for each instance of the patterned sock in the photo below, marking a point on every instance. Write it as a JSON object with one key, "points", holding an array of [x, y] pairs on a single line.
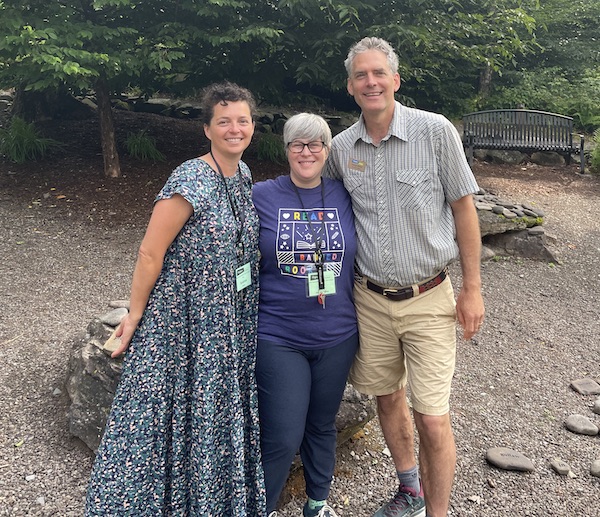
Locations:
{"points": [[410, 478], [312, 507]]}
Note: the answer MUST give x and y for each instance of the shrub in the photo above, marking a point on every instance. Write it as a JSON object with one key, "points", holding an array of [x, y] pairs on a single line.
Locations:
{"points": [[270, 148], [595, 164], [549, 90], [141, 146], [20, 142]]}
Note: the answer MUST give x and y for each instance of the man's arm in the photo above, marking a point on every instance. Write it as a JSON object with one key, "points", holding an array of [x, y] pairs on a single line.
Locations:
{"points": [[469, 304]]}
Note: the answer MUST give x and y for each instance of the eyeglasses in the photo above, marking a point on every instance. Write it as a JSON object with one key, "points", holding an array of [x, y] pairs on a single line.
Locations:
{"points": [[313, 147]]}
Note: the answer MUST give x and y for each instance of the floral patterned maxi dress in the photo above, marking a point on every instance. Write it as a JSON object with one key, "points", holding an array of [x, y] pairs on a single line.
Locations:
{"points": [[182, 438]]}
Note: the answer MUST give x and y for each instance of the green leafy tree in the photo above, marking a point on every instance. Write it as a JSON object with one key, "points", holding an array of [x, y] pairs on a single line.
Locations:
{"points": [[81, 46], [274, 47], [563, 75], [444, 45]]}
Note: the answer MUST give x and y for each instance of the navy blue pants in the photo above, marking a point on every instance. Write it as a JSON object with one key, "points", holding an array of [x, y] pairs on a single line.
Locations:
{"points": [[299, 394]]}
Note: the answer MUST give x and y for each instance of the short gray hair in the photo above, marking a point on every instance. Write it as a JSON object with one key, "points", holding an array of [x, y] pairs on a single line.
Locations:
{"points": [[372, 44], [306, 126]]}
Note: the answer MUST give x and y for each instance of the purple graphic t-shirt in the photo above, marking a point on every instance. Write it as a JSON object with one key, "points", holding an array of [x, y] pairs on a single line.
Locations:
{"points": [[294, 223]]}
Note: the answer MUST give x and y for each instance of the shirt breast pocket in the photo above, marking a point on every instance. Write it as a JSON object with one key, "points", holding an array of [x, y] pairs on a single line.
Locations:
{"points": [[354, 183], [414, 188]]}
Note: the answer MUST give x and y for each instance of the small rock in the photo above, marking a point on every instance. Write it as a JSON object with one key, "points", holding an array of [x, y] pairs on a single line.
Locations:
{"points": [[30, 477], [535, 209], [596, 408], [560, 467], [595, 468], [386, 452], [487, 253], [119, 304], [536, 230], [581, 425], [56, 392], [112, 343], [530, 213], [508, 459], [41, 501], [114, 317], [586, 386]]}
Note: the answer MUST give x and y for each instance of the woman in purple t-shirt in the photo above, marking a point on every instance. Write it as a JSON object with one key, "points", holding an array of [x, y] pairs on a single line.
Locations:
{"points": [[307, 333]]}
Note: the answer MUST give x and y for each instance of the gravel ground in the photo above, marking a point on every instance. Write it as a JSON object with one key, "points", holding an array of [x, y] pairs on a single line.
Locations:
{"points": [[511, 386]]}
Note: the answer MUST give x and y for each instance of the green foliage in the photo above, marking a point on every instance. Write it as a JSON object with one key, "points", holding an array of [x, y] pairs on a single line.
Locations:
{"points": [[563, 75], [52, 44], [548, 89], [568, 32], [282, 48], [142, 146], [21, 142], [274, 48], [585, 103], [595, 165], [270, 148]]}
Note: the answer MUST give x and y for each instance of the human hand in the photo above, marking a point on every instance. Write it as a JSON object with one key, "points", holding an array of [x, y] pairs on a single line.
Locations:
{"points": [[470, 311], [124, 332]]}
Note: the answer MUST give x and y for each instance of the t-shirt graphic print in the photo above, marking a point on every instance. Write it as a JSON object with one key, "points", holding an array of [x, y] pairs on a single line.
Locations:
{"points": [[299, 232]]}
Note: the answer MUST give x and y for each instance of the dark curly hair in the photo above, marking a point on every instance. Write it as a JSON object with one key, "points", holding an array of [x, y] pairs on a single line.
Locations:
{"points": [[221, 93]]}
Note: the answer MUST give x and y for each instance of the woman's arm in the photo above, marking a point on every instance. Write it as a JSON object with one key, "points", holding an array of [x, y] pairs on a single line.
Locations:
{"points": [[168, 217]]}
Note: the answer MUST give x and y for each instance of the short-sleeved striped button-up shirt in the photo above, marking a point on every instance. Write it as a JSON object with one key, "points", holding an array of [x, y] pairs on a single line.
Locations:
{"points": [[401, 190]]}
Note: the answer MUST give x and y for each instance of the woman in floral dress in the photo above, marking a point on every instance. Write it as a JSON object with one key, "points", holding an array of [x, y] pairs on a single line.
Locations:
{"points": [[182, 438]]}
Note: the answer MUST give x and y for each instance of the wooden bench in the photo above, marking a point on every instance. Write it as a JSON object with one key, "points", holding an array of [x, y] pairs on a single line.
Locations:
{"points": [[520, 130]]}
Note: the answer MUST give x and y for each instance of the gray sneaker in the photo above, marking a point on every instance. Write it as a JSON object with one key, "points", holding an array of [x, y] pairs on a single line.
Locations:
{"points": [[406, 503], [324, 511]]}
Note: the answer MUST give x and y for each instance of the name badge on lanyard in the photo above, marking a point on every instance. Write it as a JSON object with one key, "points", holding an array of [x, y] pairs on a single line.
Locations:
{"points": [[243, 273], [243, 277], [314, 289]]}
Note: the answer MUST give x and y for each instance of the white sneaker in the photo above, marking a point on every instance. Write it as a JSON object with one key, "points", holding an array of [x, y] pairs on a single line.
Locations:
{"points": [[326, 511]]}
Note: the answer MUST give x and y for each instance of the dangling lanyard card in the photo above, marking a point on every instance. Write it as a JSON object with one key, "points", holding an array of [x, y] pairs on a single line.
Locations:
{"points": [[243, 277], [328, 283]]}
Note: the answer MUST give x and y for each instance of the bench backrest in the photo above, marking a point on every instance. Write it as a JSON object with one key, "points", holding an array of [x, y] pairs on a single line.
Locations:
{"points": [[518, 129]]}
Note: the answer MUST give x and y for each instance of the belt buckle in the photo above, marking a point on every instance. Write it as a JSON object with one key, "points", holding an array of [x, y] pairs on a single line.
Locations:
{"points": [[386, 292]]}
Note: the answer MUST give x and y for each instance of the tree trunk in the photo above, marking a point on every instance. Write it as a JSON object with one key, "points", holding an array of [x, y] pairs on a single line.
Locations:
{"points": [[485, 82], [112, 168], [34, 106]]}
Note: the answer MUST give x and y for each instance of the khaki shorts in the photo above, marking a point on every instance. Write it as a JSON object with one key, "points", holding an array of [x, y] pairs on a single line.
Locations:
{"points": [[404, 341]]}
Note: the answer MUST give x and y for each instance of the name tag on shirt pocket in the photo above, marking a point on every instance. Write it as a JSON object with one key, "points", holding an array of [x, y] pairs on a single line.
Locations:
{"points": [[413, 188]]}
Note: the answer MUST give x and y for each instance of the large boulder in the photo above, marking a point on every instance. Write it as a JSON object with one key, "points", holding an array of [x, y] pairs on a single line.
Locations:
{"points": [[91, 383], [500, 156], [548, 158], [509, 228]]}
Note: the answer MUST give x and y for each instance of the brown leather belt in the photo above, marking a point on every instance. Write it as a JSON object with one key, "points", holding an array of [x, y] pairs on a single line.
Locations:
{"points": [[404, 293]]}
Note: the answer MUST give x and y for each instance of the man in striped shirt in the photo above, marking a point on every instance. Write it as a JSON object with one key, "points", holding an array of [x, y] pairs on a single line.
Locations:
{"points": [[411, 190]]}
